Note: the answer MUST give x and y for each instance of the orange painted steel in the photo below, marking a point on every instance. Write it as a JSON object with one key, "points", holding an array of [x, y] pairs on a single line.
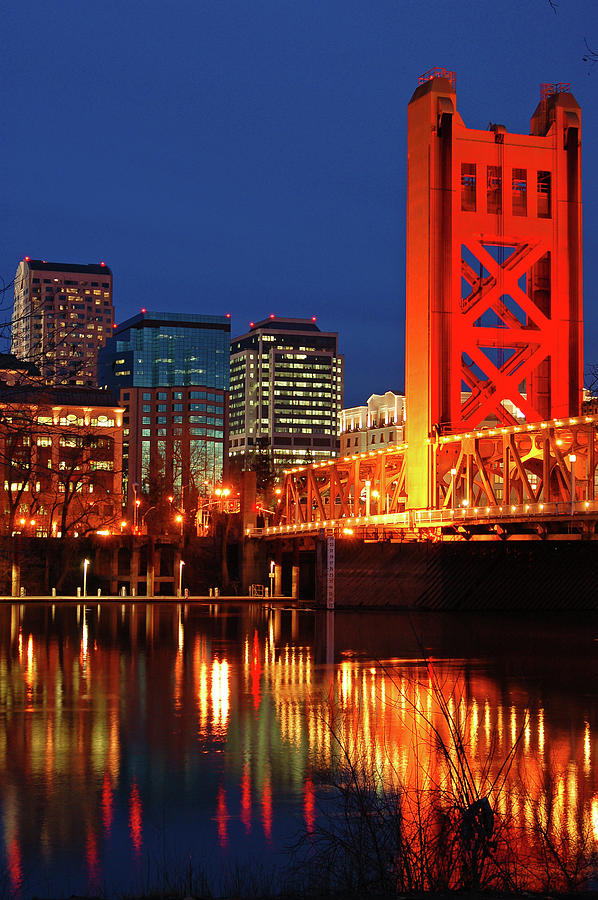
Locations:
{"points": [[494, 290], [546, 465]]}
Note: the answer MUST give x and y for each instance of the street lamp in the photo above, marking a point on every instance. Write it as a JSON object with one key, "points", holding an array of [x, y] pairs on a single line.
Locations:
{"points": [[135, 506], [144, 516], [85, 567], [453, 474], [179, 520], [181, 564], [572, 460]]}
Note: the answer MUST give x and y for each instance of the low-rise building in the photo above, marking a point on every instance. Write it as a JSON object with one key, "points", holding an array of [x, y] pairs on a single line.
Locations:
{"points": [[380, 423], [60, 457]]}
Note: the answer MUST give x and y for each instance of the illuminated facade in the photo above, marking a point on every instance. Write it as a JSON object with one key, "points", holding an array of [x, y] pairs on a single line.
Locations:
{"points": [[494, 286], [380, 423], [171, 373], [286, 392], [61, 460], [62, 315]]}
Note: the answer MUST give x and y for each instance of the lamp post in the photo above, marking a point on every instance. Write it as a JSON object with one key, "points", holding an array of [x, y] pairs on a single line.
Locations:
{"points": [[85, 567], [181, 564], [453, 474], [572, 460], [135, 506], [179, 520], [368, 486], [144, 516]]}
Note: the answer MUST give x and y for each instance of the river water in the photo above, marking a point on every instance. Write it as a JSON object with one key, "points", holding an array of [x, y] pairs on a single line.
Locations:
{"points": [[151, 745]]}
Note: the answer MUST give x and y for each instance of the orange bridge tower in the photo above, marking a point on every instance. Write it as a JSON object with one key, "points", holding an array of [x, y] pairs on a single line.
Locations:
{"points": [[494, 271]]}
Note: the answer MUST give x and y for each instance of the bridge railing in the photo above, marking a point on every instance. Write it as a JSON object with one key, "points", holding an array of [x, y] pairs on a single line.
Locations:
{"points": [[417, 519]]}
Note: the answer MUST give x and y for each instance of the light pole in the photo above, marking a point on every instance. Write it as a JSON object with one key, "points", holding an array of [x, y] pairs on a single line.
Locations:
{"points": [[181, 564], [85, 567], [368, 486], [453, 474], [572, 460], [144, 516], [135, 506], [179, 521]]}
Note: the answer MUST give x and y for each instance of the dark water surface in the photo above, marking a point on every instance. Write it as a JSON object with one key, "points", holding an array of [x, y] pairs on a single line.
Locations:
{"points": [[141, 741]]}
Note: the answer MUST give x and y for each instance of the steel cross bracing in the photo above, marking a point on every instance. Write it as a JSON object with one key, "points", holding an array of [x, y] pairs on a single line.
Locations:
{"points": [[540, 472]]}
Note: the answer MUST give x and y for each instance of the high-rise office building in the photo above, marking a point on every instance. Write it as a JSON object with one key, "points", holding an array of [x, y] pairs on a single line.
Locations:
{"points": [[171, 373], [286, 392], [62, 315]]}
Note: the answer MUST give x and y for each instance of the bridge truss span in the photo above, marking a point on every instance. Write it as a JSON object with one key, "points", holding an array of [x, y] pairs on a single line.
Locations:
{"points": [[543, 470]]}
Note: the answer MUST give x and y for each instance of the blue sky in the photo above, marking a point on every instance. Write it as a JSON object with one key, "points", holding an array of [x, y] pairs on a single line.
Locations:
{"points": [[249, 156]]}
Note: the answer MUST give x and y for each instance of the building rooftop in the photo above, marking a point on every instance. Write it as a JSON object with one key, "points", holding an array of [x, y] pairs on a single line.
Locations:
{"points": [[59, 395], [43, 265], [148, 319], [10, 363], [277, 323]]}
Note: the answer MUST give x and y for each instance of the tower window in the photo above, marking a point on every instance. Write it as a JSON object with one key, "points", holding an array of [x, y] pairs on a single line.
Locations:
{"points": [[468, 182]]}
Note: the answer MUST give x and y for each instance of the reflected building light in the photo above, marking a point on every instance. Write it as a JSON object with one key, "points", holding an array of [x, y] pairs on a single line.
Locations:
{"points": [[84, 638], [135, 819], [559, 804], [473, 726], [527, 733], [499, 725], [541, 731], [267, 807], [14, 865], [202, 698], [113, 759], [586, 749], [572, 785], [246, 798], [107, 804], [222, 817], [29, 665], [487, 721], [93, 863], [594, 816], [309, 805], [220, 694]]}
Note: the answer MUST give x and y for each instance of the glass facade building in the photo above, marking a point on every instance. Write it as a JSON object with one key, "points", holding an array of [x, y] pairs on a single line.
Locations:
{"points": [[171, 373], [159, 349]]}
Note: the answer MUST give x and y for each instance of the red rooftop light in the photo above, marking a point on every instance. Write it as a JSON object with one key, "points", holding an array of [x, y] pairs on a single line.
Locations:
{"points": [[27, 258], [102, 263], [115, 325], [251, 324], [143, 309], [272, 316], [228, 315], [313, 318]]}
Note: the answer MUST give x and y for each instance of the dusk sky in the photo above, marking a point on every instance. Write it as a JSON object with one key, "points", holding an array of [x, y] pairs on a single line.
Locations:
{"points": [[249, 156]]}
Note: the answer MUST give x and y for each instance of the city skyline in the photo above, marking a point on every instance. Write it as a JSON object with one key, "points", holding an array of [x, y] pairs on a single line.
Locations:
{"points": [[267, 146]]}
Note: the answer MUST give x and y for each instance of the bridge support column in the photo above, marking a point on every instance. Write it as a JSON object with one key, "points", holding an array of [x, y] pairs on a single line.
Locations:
{"points": [[295, 582], [253, 564], [277, 579]]}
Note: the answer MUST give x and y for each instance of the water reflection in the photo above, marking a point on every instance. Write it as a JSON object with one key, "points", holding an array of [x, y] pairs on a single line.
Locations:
{"points": [[126, 725]]}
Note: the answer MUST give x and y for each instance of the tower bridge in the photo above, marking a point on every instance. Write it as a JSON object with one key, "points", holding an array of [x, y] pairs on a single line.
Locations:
{"points": [[530, 479], [497, 447]]}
